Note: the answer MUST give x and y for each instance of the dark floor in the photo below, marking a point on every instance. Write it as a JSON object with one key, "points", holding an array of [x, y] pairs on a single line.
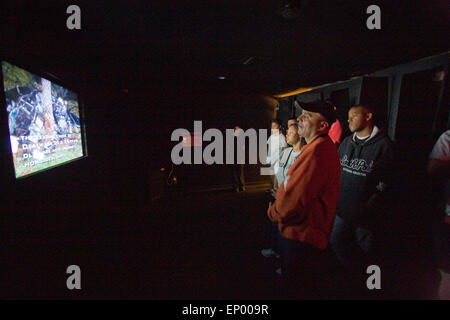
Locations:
{"points": [[186, 245]]}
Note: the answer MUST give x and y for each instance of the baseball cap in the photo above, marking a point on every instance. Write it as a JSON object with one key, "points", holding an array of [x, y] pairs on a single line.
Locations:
{"points": [[325, 108]]}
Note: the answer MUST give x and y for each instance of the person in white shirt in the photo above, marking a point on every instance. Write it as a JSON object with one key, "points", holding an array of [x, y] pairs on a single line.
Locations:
{"points": [[439, 169], [276, 143]]}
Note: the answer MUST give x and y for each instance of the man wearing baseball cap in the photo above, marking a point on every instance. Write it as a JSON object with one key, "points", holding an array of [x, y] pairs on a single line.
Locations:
{"points": [[306, 201]]}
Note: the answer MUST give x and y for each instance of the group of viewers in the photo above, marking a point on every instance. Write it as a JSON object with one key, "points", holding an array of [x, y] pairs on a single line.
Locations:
{"points": [[330, 196]]}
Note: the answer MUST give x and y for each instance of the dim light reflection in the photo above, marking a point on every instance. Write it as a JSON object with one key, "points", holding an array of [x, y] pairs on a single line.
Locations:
{"points": [[292, 93]]}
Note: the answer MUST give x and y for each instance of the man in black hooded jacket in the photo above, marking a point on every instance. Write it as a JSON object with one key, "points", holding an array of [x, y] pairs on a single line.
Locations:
{"points": [[366, 159]]}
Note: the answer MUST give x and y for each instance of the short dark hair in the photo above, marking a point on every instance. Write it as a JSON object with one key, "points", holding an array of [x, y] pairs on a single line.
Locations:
{"points": [[368, 108], [277, 121], [292, 118]]}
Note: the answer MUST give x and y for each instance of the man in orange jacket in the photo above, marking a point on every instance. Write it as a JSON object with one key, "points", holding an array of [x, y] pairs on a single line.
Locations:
{"points": [[306, 200]]}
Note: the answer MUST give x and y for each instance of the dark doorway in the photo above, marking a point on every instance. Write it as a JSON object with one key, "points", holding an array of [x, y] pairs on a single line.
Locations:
{"points": [[442, 115], [374, 92], [418, 104], [284, 111], [413, 191]]}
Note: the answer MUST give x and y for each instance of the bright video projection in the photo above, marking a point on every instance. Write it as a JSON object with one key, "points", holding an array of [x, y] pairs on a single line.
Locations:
{"points": [[44, 121]]}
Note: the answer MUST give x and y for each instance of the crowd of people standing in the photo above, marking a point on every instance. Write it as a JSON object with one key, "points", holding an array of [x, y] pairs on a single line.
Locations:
{"points": [[335, 199]]}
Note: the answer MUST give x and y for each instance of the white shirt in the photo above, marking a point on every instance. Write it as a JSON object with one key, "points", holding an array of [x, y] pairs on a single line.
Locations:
{"points": [[276, 144], [441, 151], [287, 158]]}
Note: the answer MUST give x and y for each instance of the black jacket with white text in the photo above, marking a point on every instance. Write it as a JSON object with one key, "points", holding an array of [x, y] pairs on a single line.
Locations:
{"points": [[365, 170]]}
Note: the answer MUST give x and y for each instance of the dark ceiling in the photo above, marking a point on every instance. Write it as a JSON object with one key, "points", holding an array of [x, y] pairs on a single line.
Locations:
{"points": [[140, 44]]}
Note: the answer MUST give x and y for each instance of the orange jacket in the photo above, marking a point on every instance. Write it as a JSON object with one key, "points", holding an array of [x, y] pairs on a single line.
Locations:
{"points": [[307, 198]]}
